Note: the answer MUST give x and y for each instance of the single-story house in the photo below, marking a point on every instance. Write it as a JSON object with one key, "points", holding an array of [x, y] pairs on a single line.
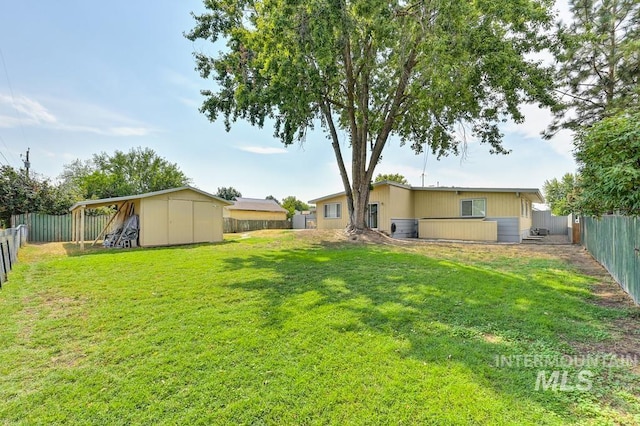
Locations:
{"points": [[182, 215], [255, 209], [452, 213]]}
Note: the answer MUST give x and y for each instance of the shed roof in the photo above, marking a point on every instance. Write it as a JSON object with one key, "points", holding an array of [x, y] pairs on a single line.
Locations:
{"points": [[534, 193], [115, 200], [257, 204]]}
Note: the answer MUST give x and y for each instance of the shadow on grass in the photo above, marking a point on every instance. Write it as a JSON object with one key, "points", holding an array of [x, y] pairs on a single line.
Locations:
{"points": [[447, 312], [73, 249]]}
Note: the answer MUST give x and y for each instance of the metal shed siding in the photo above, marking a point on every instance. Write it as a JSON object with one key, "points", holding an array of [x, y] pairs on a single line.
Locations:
{"points": [[508, 229], [182, 217], [154, 222]]}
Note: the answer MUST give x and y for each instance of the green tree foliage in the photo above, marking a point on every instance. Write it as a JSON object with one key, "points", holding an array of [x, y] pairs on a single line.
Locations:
{"points": [[229, 193], [561, 195], [608, 156], [372, 69], [20, 193], [271, 197], [291, 204], [598, 63], [138, 171], [392, 177]]}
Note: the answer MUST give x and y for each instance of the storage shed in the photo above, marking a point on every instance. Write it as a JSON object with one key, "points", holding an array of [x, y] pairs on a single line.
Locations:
{"points": [[174, 216]]}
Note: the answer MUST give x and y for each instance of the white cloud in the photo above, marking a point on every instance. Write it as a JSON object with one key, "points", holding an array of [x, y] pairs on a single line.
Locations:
{"points": [[263, 150], [130, 131], [26, 112], [70, 116]]}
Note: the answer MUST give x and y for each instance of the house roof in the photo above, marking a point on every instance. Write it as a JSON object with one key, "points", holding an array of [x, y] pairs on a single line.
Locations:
{"points": [[115, 200], [256, 204], [534, 193]]}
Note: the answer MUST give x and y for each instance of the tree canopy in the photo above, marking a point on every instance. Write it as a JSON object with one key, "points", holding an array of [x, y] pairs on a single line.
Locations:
{"points": [[374, 69], [561, 195], [608, 156], [291, 204], [137, 171], [228, 193], [598, 63], [392, 177], [22, 193]]}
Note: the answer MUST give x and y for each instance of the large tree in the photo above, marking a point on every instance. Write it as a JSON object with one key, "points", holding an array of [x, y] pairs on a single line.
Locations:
{"points": [[22, 193], [228, 193], [137, 171], [393, 177], [561, 195], [598, 63], [608, 156], [291, 204], [372, 69]]}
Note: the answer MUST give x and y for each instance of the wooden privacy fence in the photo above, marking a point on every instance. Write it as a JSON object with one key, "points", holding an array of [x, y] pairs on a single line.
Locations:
{"points": [[10, 242], [45, 228], [614, 241], [557, 225], [238, 225]]}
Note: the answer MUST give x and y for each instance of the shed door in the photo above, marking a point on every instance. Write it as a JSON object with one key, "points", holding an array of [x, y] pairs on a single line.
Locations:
{"points": [[204, 221], [180, 222], [153, 223]]}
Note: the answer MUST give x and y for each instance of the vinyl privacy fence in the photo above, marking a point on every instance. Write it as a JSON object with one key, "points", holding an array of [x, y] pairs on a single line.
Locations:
{"points": [[45, 228], [614, 241], [10, 242]]}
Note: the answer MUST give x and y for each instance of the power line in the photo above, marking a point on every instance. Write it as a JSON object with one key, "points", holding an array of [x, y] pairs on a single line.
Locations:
{"points": [[16, 111], [8, 150]]}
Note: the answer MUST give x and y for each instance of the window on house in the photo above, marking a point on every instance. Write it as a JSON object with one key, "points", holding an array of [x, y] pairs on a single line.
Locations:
{"points": [[372, 216], [476, 207], [332, 211], [523, 208]]}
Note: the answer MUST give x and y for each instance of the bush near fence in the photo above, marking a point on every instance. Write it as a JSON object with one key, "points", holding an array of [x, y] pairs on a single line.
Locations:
{"points": [[614, 241], [232, 225], [46, 228], [10, 242]]}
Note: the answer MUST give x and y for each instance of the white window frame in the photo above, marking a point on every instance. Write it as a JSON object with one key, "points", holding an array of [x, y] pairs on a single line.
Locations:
{"points": [[377, 214], [473, 202], [337, 211]]}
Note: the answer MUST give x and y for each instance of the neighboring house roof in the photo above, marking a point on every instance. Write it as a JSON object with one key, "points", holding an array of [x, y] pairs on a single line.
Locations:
{"points": [[256, 204], [534, 192], [109, 201]]}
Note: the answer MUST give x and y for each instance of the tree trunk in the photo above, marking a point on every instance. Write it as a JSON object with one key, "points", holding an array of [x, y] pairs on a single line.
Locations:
{"points": [[357, 217]]}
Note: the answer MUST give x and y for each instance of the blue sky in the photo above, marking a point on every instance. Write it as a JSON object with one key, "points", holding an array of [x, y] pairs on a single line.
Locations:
{"points": [[81, 77]]}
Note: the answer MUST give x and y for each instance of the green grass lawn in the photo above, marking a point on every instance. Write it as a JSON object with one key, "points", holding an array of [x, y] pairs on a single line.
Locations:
{"points": [[283, 328]]}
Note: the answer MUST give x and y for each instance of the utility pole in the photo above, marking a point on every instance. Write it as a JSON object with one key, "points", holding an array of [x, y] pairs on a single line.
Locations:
{"points": [[27, 163]]}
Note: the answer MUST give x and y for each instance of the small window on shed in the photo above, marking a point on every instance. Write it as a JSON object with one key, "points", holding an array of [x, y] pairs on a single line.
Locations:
{"points": [[476, 207]]}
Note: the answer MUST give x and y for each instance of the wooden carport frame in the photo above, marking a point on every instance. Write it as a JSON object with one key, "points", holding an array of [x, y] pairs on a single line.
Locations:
{"points": [[78, 214]]}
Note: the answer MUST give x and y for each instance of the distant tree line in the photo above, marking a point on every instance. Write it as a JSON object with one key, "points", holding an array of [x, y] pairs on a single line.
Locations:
{"points": [[105, 175]]}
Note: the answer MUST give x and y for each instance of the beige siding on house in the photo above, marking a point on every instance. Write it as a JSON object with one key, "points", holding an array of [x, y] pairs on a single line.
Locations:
{"points": [[400, 203], [332, 223], [458, 229], [446, 204], [255, 215], [381, 196]]}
